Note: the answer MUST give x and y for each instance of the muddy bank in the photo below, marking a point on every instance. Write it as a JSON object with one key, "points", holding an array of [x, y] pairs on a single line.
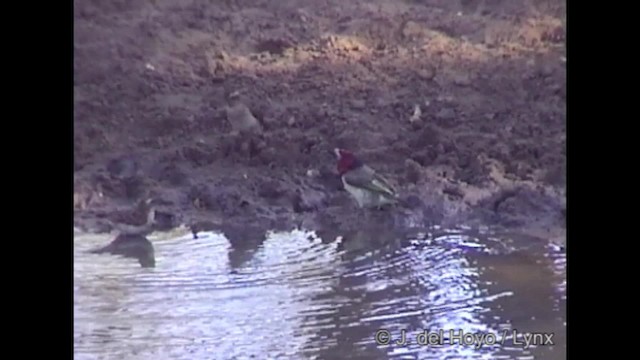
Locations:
{"points": [[460, 104]]}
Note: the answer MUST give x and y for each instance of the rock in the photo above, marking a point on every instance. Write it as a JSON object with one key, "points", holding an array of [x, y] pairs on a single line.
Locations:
{"points": [[270, 189], [308, 200], [411, 29], [472, 170], [123, 167], [79, 201], [416, 125], [413, 171], [430, 134], [446, 114], [413, 202], [202, 197], [462, 79], [358, 104], [85, 196], [172, 174], [165, 221], [427, 73], [222, 55], [200, 154], [556, 88], [134, 187], [329, 179], [556, 175], [273, 46], [453, 190], [546, 70]]}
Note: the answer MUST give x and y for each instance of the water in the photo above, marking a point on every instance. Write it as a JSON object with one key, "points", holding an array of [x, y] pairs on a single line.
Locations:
{"points": [[296, 296]]}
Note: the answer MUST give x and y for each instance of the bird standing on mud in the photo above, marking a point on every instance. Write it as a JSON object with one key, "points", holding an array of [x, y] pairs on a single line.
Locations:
{"points": [[365, 185], [240, 117], [143, 214], [133, 226]]}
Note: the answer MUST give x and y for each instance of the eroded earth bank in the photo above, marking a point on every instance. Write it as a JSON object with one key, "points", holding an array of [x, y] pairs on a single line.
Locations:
{"points": [[460, 104]]}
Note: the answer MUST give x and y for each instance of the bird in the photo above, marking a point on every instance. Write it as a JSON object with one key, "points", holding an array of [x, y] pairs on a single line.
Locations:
{"points": [[142, 219], [240, 117], [132, 227], [142, 214], [368, 188]]}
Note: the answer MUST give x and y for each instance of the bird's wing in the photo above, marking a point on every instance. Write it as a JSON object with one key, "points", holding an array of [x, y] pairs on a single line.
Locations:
{"points": [[367, 178], [383, 183]]}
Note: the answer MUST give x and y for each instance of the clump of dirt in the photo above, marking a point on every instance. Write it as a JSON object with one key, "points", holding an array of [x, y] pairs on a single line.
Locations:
{"points": [[153, 79]]}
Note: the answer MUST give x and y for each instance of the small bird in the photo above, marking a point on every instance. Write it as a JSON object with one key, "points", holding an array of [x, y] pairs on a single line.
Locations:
{"points": [[142, 214], [240, 117], [368, 188]]}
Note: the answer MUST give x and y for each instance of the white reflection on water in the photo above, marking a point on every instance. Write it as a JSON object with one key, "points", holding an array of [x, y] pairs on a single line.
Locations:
{"points": [[294, 297]]}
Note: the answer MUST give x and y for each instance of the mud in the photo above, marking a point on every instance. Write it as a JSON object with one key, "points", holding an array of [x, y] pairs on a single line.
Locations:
{"points": [[460, 104]]}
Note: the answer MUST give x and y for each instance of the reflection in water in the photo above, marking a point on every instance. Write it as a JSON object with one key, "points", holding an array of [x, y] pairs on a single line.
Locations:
{"points": [[244, 242], [294, 295], [134, 246]]}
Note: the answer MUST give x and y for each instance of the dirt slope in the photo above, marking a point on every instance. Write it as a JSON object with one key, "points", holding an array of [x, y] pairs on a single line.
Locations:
{"points": [[152, 80]]}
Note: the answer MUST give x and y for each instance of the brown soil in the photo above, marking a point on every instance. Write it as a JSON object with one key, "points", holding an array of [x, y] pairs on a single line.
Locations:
{"points": [[487, 147]]}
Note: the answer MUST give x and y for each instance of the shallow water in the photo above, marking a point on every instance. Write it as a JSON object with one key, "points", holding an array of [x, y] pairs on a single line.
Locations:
{"points": [[296, 296]]}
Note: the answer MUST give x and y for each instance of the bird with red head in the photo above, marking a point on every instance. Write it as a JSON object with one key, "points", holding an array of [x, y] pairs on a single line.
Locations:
{"points": [[365, 185]]}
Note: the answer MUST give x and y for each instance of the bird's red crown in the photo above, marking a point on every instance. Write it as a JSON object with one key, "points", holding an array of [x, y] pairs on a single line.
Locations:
{"points": [[346, 160]]}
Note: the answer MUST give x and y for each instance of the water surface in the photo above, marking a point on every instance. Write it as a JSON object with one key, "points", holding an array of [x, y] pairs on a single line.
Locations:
{"points": [[297, 296]]}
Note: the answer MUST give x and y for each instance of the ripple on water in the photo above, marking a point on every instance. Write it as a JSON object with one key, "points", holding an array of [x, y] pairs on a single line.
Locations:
{"points": [[294, 297]]}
